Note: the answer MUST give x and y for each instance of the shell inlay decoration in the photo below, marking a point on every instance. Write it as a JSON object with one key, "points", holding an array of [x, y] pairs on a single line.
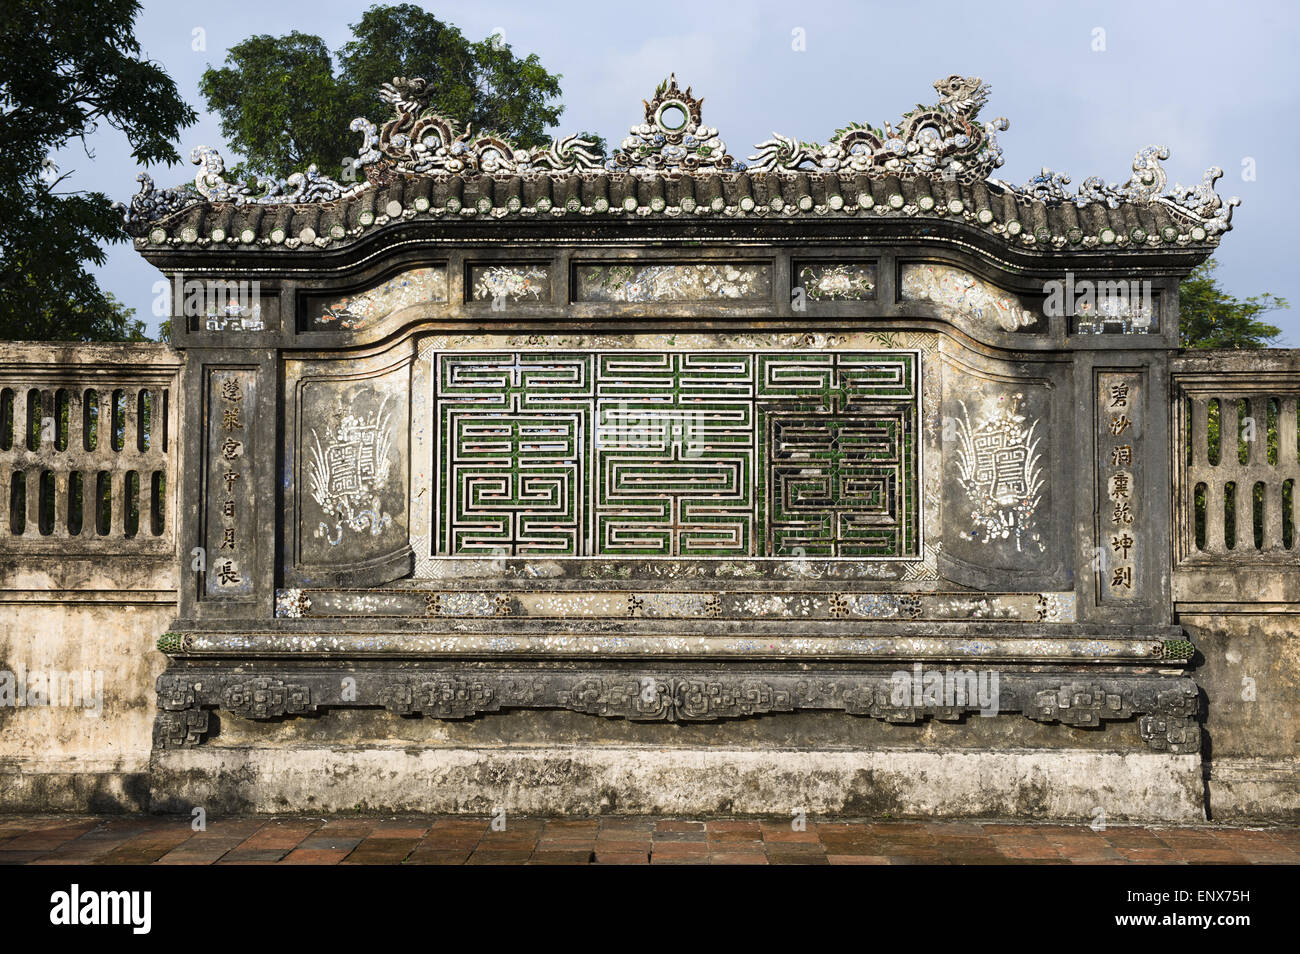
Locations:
{"points": [[511, 282], [841, 281], [363, 309], [1000, 468], [291, 604], [966, 294], [688, 282], [346, 473]]}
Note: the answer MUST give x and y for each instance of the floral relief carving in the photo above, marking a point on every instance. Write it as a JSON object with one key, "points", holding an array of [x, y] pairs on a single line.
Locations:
{"points": [[966, 294], [511, 283], [682, 282], [363, 309], [841, 281]]}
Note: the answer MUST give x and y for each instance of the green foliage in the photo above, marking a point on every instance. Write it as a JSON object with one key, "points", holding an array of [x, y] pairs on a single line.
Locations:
{"points": [[64, 69], [286, 103], [280, 104], [1211, 318]]}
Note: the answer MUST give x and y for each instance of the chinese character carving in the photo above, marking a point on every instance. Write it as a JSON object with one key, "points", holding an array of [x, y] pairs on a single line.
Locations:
{"points": [[1121, 544]]}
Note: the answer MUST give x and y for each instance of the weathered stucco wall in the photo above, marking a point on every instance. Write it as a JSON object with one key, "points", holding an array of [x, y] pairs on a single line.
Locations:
{"points": [[60, 759], [96, 603], [94, 756], [87, 579], [595, 779], [1251, 676]]}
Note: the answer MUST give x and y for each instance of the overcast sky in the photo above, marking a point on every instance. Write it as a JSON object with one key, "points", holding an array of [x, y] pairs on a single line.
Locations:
{"points": [[1215, 82]]}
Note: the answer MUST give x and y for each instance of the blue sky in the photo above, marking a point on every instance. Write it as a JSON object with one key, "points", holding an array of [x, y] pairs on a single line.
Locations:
{"points": [[1216, 83]]}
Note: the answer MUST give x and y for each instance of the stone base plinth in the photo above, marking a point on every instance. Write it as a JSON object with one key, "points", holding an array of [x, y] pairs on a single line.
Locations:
{"points": [[1250, 790], [1067, 784]]}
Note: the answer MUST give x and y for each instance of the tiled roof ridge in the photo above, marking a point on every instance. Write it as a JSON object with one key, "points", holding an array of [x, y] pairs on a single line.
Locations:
{"points": [[935, 163]]}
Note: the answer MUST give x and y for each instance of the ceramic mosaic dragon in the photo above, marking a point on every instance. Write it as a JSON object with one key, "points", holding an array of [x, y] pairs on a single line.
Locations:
{"points": [[944, 139]]}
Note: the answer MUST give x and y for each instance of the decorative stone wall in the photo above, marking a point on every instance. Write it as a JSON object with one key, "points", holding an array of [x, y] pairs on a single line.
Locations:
{"points": [[518, 459]]}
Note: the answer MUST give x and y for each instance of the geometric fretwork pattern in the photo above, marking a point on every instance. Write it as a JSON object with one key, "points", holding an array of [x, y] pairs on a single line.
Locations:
{"points": [[834, 486], [674, 462], [678, 454]]}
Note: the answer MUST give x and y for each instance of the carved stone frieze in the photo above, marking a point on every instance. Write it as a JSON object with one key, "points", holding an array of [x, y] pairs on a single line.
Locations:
{"points": [[186, 727], [1166, 706], [266, 698]]}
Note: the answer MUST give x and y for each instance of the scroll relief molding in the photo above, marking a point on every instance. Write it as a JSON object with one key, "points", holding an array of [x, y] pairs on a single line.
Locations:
{"points": [[969, 296], [1166, 706], [367, 308]]}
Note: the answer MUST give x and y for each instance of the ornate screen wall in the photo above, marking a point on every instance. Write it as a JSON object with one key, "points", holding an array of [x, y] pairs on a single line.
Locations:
{"points": [[715, 448]]}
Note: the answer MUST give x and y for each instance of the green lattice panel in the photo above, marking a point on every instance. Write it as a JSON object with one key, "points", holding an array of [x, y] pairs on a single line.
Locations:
{"points": [[681, 454], [839, 454], [836, 485], [674, 460], [513, 432]]}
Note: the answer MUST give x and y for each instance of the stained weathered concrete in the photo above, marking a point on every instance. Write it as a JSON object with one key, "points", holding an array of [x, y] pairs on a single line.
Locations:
{"points": [[1251, 675], [1061, 784], [94, 755]]}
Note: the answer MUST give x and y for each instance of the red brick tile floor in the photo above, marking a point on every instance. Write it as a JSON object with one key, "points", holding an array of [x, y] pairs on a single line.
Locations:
{"points": [[442, 840]]}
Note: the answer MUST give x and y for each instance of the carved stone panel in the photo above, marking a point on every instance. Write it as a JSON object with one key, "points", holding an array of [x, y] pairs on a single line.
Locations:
{"points": [[999, 486], [231, 496], [1120, 413], [352, 467]]}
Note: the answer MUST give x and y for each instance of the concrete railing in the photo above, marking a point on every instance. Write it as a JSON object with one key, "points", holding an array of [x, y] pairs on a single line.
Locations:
{"points": [[1236, 465], [87, 451]]}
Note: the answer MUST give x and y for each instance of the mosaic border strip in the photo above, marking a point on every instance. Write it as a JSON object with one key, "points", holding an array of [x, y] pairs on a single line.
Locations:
{"points": [[643, 604]]}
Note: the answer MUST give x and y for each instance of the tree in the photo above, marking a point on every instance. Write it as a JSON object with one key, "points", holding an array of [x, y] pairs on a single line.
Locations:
{"points": [[598, 144], [280, 104], [1211, 318], [64, 68], [285, 103]]}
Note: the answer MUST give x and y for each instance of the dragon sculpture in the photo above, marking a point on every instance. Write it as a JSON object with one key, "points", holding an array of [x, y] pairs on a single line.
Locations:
{"points": [[945, 139], [419, 140]]}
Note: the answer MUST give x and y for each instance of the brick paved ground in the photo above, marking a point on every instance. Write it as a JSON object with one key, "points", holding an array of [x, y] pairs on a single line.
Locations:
{"points": [[28, 839]]}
